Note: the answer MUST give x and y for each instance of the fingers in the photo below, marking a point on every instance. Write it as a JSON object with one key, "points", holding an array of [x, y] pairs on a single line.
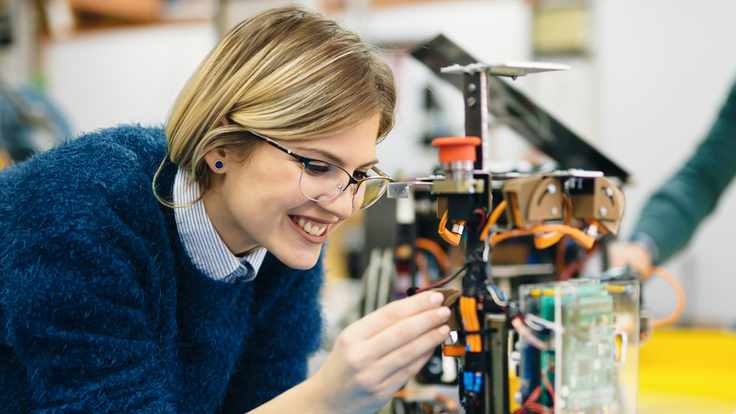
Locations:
{"points": [[403, 357], [633, 255], [388, 315], [404, 332], [392, 384]]}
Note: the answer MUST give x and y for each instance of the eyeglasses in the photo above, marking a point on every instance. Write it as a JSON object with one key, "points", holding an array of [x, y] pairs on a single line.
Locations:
{"points": [[322, 181]]}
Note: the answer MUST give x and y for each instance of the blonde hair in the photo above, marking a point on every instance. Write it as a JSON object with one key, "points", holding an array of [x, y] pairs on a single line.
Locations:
{"points": [[285, 73]]}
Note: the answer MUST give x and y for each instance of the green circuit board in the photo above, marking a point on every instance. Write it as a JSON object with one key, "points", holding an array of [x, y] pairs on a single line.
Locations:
{"points": [[582, 365], [588, 367]]}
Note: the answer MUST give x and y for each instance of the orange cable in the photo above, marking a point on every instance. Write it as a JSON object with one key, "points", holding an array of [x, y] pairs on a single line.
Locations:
{"points": [[433, 248], [495, 215], [576, 234], [469, 315], [447, 235], [546, 240], [679, 294]]}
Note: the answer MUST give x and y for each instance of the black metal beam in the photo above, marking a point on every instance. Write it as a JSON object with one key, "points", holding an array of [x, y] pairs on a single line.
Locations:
{"points": [[530, 121]]}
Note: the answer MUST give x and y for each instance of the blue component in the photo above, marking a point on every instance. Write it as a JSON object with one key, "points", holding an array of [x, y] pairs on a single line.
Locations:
{"points": [[500, 293], [472, 381], [468, 382]]}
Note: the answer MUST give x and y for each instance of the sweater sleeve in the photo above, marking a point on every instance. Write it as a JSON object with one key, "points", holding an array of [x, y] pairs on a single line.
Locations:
{"points": [[287, 332], [673, 212], [82, 326]]}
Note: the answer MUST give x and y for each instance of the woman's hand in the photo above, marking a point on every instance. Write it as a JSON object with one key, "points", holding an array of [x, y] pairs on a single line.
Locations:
{"points": [[379, 353]]}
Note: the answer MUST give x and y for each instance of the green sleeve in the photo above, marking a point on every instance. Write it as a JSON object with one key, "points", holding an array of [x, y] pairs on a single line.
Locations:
{"points": [[674, 211]]}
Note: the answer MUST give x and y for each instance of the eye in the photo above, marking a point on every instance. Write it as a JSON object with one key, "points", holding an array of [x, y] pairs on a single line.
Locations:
{"points": [[359, 175], [318, 168]]}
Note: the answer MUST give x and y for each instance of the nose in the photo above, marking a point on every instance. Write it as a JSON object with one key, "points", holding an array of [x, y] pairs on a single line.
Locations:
{"points": [[341, 206]]}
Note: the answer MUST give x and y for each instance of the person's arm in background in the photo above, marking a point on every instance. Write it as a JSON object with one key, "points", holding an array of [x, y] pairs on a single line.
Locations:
{"points": [[673, 213]]}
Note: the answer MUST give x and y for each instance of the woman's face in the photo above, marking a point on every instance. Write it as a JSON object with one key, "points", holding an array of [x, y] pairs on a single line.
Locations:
{"points": [[259, 203]]}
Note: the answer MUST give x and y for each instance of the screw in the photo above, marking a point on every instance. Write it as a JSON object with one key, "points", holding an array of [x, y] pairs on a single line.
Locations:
{"points": [[603, 211], [471, 87], [471, 101]]}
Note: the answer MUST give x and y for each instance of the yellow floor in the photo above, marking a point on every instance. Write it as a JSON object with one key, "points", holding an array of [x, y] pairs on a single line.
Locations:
{"points": [[688, 372]]}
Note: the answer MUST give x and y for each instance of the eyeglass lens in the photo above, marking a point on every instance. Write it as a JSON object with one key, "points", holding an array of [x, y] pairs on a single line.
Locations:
{"points": [[323, 182]]}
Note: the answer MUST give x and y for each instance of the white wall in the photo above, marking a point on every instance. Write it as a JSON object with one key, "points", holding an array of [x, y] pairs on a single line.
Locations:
{"points": [[123, 76], [664, 68]]}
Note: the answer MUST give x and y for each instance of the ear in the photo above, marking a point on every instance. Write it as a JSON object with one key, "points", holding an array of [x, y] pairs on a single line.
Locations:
{"points": [[217, 160]]}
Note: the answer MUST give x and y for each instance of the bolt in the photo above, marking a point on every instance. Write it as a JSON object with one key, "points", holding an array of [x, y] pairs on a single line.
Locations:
{"points": [[471, 87], [471, 101]]}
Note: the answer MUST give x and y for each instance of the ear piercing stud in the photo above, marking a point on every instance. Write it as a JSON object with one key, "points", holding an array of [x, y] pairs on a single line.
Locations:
{"points": [[218, 164]]}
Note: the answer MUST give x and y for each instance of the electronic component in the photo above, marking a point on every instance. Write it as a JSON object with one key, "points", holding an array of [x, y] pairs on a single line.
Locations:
{"points": [[594, 346], [575, 338]]}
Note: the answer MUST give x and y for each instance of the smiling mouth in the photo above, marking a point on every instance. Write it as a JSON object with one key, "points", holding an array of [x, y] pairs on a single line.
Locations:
{"points": [[314, 231]]}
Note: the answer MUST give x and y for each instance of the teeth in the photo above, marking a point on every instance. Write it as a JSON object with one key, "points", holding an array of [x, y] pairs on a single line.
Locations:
{"points": [[311, 227]]}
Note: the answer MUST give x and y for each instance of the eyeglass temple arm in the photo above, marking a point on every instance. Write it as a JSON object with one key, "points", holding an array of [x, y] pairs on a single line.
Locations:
{"points": [[382, 173]]}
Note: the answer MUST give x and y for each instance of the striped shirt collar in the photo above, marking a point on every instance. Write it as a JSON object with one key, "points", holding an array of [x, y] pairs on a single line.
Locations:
{"points": [[201, 241]]}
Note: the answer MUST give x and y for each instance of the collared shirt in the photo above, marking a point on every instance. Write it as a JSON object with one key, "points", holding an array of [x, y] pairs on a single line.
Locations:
{"points": [[201, 241]]}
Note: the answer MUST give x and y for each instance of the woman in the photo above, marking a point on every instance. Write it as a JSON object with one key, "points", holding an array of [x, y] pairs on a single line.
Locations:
{"points": [[202, 295]]}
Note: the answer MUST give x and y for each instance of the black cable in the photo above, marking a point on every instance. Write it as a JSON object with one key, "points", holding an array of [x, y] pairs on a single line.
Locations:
{"points": [[438, 283]]}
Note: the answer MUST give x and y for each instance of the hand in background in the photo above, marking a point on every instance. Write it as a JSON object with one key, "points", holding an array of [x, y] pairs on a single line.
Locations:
{"points": [[632, 254], [376, 355]]}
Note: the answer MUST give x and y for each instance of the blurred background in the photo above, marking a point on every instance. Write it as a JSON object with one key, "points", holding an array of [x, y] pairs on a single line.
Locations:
{"points": [[647, 79]]}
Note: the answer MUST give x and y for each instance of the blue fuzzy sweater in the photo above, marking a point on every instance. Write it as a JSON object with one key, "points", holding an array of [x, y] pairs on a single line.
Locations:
{"points": [[101, 309]]}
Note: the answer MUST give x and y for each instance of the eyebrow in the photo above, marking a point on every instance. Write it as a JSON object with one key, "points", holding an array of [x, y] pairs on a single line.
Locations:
{"points": [[335, 159]]}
